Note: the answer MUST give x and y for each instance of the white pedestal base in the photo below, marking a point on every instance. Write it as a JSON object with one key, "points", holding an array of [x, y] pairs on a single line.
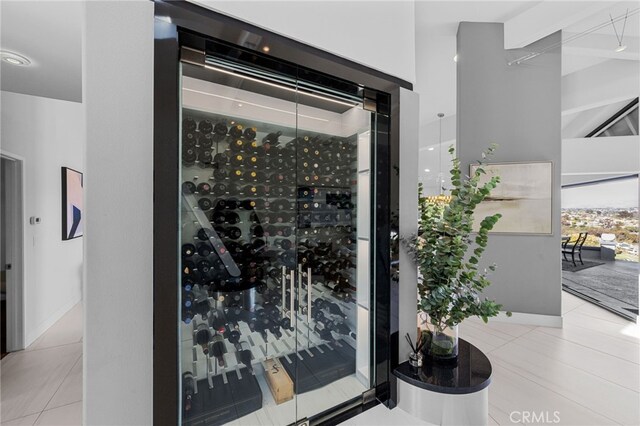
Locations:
{"points": [[444, 409]]}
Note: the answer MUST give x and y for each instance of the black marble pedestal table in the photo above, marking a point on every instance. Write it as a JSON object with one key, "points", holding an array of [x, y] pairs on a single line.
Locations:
{"points": [[447, 393]]}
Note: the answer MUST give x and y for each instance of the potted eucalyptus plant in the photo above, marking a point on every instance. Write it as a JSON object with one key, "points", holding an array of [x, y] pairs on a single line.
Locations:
{"points": [[447, 253]]}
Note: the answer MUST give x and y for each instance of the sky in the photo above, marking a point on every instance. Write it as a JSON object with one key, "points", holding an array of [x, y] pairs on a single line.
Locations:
{"points": [[616, 194]]}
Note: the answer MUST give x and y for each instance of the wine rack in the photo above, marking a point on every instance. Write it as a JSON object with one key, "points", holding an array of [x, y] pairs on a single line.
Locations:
{"points": [[269, 256]]}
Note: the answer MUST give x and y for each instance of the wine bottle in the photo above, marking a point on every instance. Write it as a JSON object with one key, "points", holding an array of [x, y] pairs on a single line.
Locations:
{"points": [[205, 204], [296, 141], [272, 138], [203, 188], [188, 250], [334, 309], [220, 175], [187, 283], [189, 139], [236, 160], [205, 140], [204, 249], [222, 233], [254, 176], [219, 131], [221, 159], [204, 234], [257, 231], [203, 336], [232, 203], [245, 356], [187, 298], [232, 218], [236, 131], [217, 349], [235, 174], [324, 333], [249, 133], [219, 189], [253, 161], [305, 257], [218, 217], [188, 389], [256, 203], [204, 266], [189, 124], [234, 232], [189, 188], [254, 190], [205, 158], [189, 155], [236, 145], [205, 126], [341, 328]]}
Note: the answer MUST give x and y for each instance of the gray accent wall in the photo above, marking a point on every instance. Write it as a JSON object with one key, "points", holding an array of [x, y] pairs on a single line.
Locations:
{"points": [[517, 107], [408, 280]]}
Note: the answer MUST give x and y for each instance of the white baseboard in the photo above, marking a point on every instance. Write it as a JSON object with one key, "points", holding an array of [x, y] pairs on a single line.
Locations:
{"points": [[530, 319], [32, 336]]}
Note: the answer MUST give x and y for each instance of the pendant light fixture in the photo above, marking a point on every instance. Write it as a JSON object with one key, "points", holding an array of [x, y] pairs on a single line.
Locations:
{"points": [[621, 47], [441, 198]]}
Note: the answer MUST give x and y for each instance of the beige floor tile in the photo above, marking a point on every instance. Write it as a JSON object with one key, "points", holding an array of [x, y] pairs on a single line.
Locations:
{"points": [[503, 329], [22, 421], [67, 415], [600, 341], [629, 331], [597, 312], [483, 339], [571, 302], [613, 369], [602, 396], [66, 330], [510, 393], [30, 378], [70, 390]]}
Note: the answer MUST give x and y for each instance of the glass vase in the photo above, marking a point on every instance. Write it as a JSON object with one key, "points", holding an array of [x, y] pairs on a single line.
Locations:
{"points": [[443, 344]]}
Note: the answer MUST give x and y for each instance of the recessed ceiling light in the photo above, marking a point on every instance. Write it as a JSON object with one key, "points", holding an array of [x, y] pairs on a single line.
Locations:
{"points": [[455, 58], [14, 59], [240, 105], [266, 49], [427, 170], [431, 149]]}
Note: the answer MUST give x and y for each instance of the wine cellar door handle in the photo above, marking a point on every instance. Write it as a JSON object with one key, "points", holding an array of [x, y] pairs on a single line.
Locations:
{"points": [[309, 295], [300, 289], [284, 290], [291, 296]]}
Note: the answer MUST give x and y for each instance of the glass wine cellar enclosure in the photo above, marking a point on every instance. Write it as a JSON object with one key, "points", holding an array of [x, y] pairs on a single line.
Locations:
{"points": [[273, 262]]}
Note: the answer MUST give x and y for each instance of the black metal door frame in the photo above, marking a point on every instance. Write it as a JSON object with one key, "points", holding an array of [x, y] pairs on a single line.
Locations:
{"points": [[172, 17]]}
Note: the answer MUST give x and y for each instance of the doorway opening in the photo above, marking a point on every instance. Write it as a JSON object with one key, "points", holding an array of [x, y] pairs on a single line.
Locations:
{"points": [[11, 252]]}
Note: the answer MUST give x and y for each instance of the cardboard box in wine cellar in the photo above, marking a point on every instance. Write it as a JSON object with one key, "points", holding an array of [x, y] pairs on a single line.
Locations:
{"points": [[280, 383]]}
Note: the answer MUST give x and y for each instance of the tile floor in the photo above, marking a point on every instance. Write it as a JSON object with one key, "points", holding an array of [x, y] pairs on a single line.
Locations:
{"points": [[588, 371], [42, 385]]}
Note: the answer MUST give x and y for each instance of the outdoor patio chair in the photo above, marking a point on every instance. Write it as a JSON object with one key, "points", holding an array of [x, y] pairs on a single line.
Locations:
{"points": [[572, 247]]}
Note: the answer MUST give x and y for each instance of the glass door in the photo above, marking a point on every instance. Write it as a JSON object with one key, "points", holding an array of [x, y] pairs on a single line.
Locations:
{"points": [[275, 255], [332, 315]]}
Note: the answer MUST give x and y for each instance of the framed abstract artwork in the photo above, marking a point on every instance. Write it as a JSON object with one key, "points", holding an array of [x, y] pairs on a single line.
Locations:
{"points": [[72, 204], [523, 197]]}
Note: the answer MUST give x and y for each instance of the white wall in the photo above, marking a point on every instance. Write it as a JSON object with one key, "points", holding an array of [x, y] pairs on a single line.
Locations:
{"points": [[118, 350], [119, 204], [48, 134], [379, 34]]}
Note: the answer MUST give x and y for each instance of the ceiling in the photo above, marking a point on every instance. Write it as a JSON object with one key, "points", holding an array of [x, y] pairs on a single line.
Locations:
{"points": [[596, 80], [49, 33]]}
